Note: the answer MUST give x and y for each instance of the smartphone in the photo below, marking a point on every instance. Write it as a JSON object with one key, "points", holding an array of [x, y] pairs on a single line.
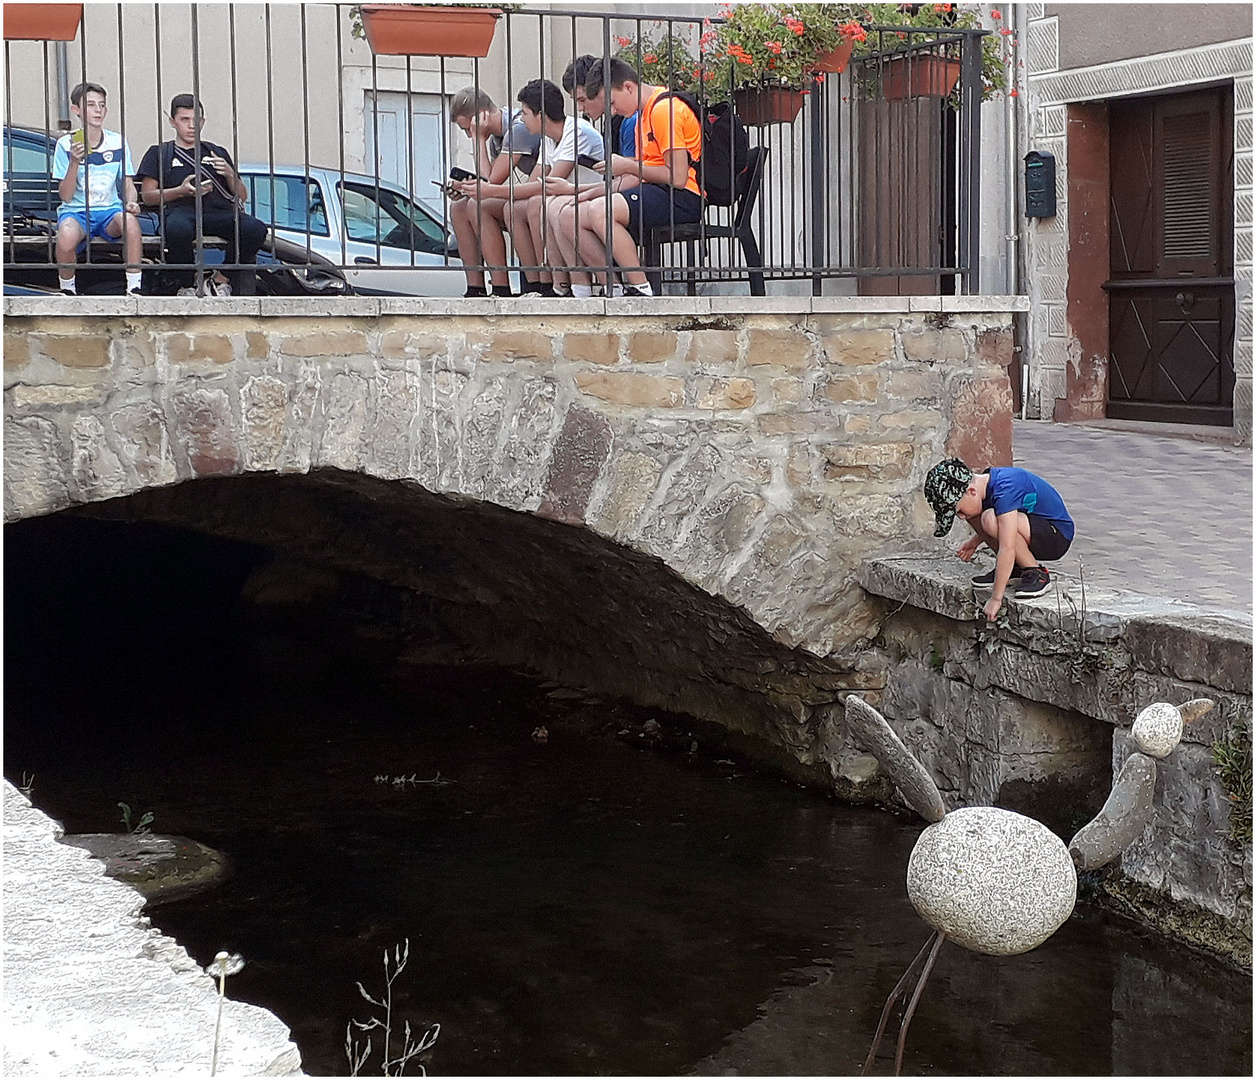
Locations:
{"points": [[588, 161], [448, 190], [460, 174], [79, 135]]}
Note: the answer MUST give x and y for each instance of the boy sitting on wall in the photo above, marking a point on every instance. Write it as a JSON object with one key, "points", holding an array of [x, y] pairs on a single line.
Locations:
{"points": [[1017, 515]]}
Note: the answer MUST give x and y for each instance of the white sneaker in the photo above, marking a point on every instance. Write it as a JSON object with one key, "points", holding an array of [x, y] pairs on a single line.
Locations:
{"points": [[217, 288], [187, 290]]}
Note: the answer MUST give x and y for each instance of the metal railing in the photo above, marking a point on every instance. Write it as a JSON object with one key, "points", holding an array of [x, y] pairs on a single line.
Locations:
{"points": [[872, 185]]}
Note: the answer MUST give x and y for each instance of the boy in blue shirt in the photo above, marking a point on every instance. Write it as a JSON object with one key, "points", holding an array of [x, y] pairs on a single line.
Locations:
{"points": [[88, 165], [1016, 514]]}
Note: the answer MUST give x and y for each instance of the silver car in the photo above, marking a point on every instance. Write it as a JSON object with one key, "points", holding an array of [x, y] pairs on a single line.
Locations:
{"points": [[386, 242]]}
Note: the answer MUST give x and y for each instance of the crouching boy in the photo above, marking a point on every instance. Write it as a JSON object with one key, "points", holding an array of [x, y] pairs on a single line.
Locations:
{"points": [[1017, 515]]}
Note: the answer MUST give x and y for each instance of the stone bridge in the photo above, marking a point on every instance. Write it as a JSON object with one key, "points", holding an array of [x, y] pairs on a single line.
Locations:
{"points": [[667, 499]]}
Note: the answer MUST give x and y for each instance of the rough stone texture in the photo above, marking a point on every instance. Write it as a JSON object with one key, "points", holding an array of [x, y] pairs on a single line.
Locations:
{"points": [[1032, 702], [74, 938], [579, 454], [160, 868], [870, 731], [1158, 729], [993, 881], [1123, 818]]}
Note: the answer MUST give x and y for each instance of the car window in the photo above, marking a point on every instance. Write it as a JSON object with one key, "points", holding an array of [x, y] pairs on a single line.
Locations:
{"points": [[290, 202], [21, 156], [391, 220]]}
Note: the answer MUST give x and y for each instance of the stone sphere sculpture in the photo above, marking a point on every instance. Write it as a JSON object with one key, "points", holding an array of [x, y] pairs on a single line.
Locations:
{"points": [[991, 880], [1158, 730]]}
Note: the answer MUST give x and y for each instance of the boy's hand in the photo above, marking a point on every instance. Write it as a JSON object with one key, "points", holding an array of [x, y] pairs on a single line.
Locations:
{"points": [[219, 165], [968, 549], [992, 608], [78, 151], [133, 208]]}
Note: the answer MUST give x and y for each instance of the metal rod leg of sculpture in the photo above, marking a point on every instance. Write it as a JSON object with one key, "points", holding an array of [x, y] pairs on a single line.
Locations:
{"points": [[894, 996], [915, 998]]}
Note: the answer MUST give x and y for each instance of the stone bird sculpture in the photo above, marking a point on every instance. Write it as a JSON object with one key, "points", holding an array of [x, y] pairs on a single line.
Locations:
{"points": [[995, 881]]}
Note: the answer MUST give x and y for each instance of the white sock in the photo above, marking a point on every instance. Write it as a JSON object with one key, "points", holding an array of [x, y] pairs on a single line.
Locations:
{"points": [[582, 291], [644, 287], [133, 279], [69, 284]]}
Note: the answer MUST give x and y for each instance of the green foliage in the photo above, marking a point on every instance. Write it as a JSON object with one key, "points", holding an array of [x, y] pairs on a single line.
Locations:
{"points": [[141, 826], [1233, 758], [662, 59]]}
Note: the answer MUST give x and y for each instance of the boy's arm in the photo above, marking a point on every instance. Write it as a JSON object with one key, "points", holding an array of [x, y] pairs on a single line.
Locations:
{"points": [[1004, 563], [65, 166]]}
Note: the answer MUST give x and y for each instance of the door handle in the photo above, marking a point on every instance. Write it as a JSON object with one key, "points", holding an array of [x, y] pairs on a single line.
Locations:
{"points": [[363, 260], [1185, 300]]}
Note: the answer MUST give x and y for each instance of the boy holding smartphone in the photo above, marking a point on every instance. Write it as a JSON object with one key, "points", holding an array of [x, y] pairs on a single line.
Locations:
{"points": [[88, 164], [170, 176]]}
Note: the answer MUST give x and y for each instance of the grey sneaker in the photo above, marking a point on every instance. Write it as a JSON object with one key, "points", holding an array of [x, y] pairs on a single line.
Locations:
{"points": [[187, 290], [986, 580], [1034, 581], [217, 288]]}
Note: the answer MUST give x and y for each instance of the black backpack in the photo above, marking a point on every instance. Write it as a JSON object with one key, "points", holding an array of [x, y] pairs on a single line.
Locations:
{"points": [[725, 148]]}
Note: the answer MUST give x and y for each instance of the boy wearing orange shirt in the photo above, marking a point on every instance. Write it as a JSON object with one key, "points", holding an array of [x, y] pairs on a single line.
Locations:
{"points": [[658, 187]]}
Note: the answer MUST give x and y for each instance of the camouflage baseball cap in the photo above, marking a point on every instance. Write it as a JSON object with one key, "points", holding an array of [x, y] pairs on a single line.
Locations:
{"points": [[944, 487]]}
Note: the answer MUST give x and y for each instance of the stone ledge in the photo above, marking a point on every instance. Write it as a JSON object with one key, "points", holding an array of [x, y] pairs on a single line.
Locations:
{"points": [[1163, 636], [440, 306]]}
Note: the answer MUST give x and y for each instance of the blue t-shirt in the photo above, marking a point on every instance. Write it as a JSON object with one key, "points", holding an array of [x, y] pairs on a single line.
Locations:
{"points": [[98, 177], [1018, 489], [628, 136]]}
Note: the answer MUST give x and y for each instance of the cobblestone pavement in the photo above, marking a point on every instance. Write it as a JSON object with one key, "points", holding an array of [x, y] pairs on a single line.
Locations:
{"points": [[1159, 515]]}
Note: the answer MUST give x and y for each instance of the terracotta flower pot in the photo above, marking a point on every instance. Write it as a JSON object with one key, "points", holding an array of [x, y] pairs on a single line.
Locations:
{"points": [[919, 76], [835, 60], [759, 105], [42, 22], [410, 30]]}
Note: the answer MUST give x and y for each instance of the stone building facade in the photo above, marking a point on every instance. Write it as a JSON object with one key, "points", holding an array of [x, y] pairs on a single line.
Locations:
{"points": [[1084, 62]]}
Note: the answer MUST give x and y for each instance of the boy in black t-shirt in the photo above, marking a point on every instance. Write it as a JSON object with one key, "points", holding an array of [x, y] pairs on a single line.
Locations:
{"points": [[168, 178]]}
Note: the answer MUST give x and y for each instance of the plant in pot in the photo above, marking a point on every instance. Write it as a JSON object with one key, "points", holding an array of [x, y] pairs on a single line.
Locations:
{"points": [[904, 68], [426, 30], [766, 55]]}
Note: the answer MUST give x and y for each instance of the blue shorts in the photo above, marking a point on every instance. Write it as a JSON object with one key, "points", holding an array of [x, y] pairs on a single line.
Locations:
{"points": [[660, 204], [100, 221]]}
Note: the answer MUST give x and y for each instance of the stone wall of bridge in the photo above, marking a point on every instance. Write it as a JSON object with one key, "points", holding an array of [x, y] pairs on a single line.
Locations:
{"points": [[760, 456]]}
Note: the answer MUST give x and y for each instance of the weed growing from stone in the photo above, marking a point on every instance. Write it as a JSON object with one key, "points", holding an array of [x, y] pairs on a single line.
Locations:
{"points": [[220, 967], [357, 1054], [1233, 758], [27, 785], [141, 826]]}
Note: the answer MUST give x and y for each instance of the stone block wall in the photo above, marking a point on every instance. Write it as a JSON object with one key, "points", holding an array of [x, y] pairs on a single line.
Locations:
{"points": [[759, 455], [1036, 717]]}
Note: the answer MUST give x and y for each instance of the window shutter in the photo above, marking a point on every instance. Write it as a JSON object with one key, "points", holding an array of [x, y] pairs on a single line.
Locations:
{"points": [[1188, 183]]}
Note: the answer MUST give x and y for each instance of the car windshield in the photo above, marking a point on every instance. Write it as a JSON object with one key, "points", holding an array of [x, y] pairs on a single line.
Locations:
{"points": [[390, 219], [288, 202]]}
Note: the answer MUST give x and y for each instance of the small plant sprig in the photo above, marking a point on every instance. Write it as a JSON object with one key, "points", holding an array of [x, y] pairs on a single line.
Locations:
{"points": [[357, 1054], [141, 826], [27, 785], [413, 780], [220, 967]]}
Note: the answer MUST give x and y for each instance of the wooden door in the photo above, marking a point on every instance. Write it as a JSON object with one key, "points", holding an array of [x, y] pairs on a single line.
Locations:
{"points": [[1171, 287]]}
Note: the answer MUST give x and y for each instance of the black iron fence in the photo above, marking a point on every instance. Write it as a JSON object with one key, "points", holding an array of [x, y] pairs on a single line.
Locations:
{"points": [[867, 176]]}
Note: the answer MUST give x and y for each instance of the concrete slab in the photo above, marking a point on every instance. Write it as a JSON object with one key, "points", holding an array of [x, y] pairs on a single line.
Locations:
{"points": [[1157, 514]]}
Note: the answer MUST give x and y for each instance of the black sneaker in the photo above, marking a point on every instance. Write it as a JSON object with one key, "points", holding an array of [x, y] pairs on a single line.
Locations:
{"points": [[986, 580], [1034, 581]]}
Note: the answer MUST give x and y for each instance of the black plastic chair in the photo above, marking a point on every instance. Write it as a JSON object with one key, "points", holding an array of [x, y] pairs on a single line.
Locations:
{"points": [[699, 232]]}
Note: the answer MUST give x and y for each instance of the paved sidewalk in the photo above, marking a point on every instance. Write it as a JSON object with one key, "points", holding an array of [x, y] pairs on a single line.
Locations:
{"points": [[1156, 514]]}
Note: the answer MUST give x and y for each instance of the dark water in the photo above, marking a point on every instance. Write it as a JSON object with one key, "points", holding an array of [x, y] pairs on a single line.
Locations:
{"points": [[584, 906]]}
